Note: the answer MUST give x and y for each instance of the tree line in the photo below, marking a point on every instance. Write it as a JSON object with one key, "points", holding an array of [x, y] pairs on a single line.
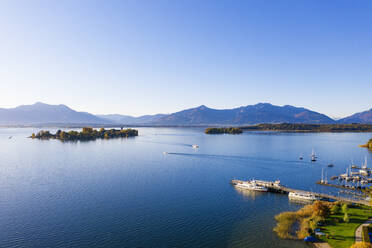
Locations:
{"points": [[221, 130]]}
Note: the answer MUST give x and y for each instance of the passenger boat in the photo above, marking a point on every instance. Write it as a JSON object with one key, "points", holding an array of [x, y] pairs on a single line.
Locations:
{"points": [[303, 196], [250, 185]]}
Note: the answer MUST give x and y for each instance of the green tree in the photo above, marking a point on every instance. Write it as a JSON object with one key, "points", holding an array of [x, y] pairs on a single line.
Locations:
{"points": [[335, 209], [345, 208], [346, 218]]}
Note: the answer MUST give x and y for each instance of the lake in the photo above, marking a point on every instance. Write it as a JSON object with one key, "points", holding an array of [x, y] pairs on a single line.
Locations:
{"points": [[127, 193]]}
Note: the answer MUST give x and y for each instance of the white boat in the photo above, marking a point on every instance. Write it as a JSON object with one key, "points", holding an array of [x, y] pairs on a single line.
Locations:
{"points": [[313, 156], [303, 196], [165, 153], [195, 146], [250, 185]]}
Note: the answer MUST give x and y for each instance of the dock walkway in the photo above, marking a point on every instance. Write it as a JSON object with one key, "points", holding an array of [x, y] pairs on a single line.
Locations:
{"points": [[278, 188]]}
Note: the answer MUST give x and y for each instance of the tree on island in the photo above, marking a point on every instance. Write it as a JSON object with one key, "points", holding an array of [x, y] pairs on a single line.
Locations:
{"points": [[222, 130], [87, 133]]}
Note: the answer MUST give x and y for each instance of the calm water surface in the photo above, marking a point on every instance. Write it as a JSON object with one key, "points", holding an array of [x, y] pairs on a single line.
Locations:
{"points": [[127, 193]]}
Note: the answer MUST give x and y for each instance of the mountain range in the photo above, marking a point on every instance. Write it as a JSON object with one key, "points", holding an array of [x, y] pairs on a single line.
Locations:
{"points": [[41, 113]]}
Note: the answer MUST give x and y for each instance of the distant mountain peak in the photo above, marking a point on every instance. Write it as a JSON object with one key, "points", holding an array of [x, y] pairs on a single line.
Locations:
{"points": [[364, 117], [251, 114], [42, 113], [202, 107], [40, 103]]}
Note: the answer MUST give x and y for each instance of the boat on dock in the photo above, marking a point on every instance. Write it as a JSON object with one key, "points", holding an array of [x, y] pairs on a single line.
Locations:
{"points": [[250, 185], [305, 196]]}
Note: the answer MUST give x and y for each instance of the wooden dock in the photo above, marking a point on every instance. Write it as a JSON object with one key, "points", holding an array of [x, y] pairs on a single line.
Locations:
{"points": [[276, 187]]}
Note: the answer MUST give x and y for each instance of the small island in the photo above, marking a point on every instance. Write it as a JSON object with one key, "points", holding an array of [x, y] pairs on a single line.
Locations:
{"points": [[87, 133], [222, 130], [368, 144]]}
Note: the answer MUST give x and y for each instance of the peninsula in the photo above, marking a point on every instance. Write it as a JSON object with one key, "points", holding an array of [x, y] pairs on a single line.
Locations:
{"points": [[368, 144], [87, 133], [296, 127]]}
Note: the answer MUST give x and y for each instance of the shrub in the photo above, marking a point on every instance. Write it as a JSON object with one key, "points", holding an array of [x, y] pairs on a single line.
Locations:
{"points": [[365, 234], [284, 225], [335, 209], [321, 209], [361, 245]]}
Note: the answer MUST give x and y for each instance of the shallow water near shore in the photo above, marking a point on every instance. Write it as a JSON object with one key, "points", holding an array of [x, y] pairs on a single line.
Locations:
{"points": [[127, 193]]}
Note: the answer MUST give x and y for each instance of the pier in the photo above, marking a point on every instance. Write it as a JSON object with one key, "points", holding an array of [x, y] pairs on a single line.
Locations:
{"points": [[360, 188], [276, 187]]}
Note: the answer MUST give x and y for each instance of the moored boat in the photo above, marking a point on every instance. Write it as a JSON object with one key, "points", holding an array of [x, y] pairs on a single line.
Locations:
{"points": [[303, 196], [313, 156], [251, 185]]}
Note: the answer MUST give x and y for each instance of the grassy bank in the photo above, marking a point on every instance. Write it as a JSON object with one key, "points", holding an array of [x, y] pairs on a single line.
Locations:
{"points": [[337, 221], [300, 224], [340, 234]]}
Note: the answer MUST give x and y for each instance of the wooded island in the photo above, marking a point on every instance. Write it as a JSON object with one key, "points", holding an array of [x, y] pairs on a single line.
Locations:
{"points": [[222, 130], [87, 133]]}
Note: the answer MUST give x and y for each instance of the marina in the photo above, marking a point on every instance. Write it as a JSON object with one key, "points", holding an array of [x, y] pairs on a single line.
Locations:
{"points": [[354, 178]]}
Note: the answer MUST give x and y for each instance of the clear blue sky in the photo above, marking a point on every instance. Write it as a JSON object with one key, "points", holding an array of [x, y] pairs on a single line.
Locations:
{"points": [[143, 57]]}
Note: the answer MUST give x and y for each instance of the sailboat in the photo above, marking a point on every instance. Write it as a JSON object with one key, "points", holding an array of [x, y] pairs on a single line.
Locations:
{"points": [[364, 169], [313, 156], [324, 179]]}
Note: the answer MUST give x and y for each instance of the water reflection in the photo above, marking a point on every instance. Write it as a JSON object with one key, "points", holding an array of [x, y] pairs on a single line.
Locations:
{"points": [[250, 194]]}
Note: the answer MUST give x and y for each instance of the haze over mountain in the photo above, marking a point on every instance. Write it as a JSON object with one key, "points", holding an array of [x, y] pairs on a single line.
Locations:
{"points": [[251, 114], [362, 117], [127, 119], [41, 113]]}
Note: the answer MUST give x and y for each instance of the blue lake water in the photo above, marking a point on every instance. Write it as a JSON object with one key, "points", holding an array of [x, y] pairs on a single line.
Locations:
{"points": [[127, 193]]}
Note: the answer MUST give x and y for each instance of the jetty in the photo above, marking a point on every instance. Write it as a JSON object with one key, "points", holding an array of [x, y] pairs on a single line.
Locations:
{"points": [[277, 187], [342, 186]]}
